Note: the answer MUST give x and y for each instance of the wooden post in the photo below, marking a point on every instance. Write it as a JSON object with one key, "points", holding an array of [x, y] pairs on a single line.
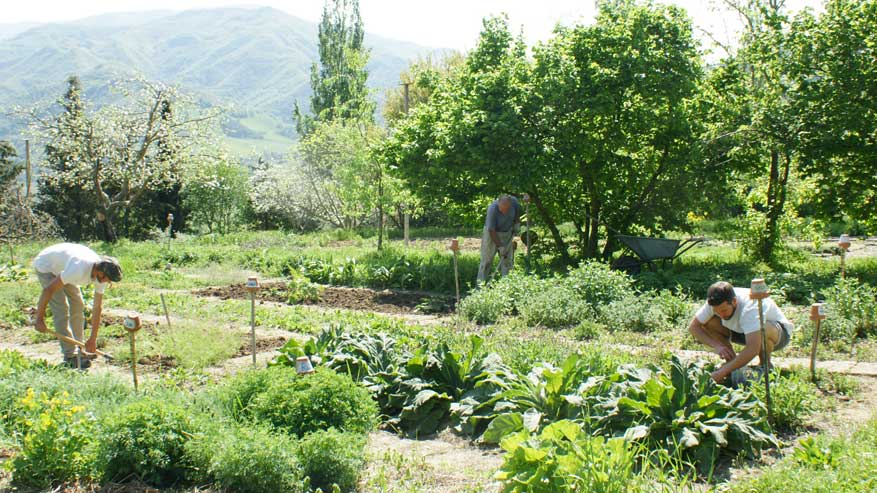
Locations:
{"points": [[844, 244], [252, 287], [527, 242], [166, 316], [758, 291], [27, 171], [405, 221], [455, 248], [132, 325], [817, 314]]}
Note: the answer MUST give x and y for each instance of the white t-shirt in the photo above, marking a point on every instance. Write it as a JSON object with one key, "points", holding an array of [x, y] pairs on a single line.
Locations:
{"points": [[72, 262], [745, 318]]}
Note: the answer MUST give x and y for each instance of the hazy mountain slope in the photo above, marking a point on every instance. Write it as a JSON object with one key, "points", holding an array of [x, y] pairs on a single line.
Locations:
{"points": [[255, 61]]}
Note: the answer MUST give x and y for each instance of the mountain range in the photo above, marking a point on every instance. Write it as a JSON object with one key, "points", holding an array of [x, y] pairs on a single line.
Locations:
{"points": [[254, 61]]}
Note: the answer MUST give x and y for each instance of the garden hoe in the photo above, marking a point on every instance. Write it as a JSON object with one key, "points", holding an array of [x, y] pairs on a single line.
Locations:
{"points": [[85, 354]]}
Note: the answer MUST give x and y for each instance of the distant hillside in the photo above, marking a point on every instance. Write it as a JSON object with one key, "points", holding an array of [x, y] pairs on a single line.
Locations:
{"points": [[257, 60]]}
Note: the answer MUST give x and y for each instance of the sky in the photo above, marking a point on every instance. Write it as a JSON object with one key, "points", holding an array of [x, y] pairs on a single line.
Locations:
{"points": [[434, 23]]}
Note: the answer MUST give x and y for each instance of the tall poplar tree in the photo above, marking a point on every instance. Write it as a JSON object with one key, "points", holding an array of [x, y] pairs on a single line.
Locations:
{"points": [[338, 81]]}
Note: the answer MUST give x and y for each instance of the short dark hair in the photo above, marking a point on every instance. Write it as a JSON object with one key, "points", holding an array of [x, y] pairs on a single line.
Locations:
{"points": [[110, 267], [719, 293]]}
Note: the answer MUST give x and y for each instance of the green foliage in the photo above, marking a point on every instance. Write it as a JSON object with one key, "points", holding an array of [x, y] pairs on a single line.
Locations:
{"points": [[853, 304], [10, 272], [147, 439], [246, 459], [338, 82], [793, 397], [330, 458], [562, 457], [835, 104], [55, 438], [299, 288], [300, 404], [575, 126], [13, 362], [686, 413], [215, 192], [841, 464], [587, 330]]}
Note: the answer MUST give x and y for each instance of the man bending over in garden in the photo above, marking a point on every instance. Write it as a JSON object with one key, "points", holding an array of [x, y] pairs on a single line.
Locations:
{"points": [[500, 227], [729, 315], [61, 269]]}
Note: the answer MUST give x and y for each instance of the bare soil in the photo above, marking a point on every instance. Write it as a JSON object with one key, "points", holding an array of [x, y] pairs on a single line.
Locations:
{"points": [[363, 299]]}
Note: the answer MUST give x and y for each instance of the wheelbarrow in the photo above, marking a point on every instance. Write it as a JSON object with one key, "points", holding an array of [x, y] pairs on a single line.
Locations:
{"points": [[650, 250]]}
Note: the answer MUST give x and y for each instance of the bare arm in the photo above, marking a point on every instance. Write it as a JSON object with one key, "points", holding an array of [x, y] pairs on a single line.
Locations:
{"points": [[753, 347], [721, 348], [49, 291], [495, 238]]}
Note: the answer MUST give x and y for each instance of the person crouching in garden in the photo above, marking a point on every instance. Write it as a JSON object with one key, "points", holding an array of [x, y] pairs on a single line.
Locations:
{"points": [[61, 270], [730, 316]]}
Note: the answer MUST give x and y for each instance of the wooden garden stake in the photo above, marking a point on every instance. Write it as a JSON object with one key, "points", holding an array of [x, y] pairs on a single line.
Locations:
{"points": [[252, 287], [405, 222], [455, 248], [758, 291], [170, 225], [817, 314], [166, 316], [844, 244], [527, 234], [132, 325]]}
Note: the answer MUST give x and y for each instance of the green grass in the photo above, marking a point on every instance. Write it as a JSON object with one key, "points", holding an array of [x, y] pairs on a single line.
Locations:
{"points": [[192, 345], [846, 464]]}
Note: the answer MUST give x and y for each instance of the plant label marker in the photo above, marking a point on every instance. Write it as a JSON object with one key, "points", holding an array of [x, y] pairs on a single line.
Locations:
{"points": [[758, 291], [817, 314], [455, 248], [303, 365], [844, 243], [132, 325], [253, 286]]}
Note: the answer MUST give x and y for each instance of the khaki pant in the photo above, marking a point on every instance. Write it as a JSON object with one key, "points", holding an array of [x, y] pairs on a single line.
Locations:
{"points": [[489, 250], [68, 312]]}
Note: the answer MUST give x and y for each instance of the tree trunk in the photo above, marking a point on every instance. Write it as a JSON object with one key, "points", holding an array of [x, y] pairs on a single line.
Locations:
{"points": [[106, 230], [552, 227]]}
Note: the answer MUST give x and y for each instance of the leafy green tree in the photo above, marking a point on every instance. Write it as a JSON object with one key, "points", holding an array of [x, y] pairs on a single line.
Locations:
{"points": [[616, 102], [63, 190], [215, 192], [597, 129], [422, 78], [758, 137], [834, 71], [9, 169], [338, 82]]}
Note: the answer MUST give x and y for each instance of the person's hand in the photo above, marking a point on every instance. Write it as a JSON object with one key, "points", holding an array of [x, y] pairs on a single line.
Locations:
{"points": [[726, 353], [40, 325], [91, 345], [718, 376]]}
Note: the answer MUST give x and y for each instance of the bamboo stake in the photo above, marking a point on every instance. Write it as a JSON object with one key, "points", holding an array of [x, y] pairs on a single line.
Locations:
{"points": [[132, 325], [455, 248], [252, 287], [817, 314], [758, 291], [166, 316]]}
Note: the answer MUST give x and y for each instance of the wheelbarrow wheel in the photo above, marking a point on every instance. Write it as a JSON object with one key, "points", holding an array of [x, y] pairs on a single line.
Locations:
{"points": [[627, 264]]}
